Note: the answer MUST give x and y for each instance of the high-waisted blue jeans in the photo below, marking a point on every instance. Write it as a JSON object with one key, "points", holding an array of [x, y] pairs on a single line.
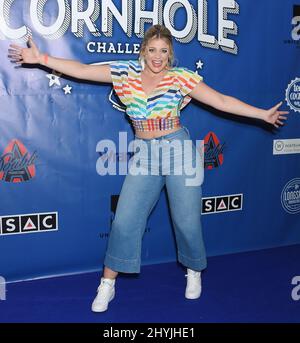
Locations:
{"points": [[158, 162]]}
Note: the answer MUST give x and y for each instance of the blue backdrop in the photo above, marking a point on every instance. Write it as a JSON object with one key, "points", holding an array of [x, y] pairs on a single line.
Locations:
{"points": [[56, 209]]}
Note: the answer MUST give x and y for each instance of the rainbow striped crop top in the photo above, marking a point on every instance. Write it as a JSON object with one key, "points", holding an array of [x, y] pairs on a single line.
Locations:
{"points": [[161, 109]]}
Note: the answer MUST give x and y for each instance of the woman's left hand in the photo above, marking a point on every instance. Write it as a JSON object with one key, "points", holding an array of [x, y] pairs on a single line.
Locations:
{"points": [[275, 117]]}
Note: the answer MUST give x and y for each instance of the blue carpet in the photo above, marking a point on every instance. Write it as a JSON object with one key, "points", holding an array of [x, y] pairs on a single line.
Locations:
{"points": [[245, 287]]}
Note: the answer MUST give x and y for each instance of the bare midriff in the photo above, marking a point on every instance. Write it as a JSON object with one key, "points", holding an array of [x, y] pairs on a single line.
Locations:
{"points": [[155, 134]]}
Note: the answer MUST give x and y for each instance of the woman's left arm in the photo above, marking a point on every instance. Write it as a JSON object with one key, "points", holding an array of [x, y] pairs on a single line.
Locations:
{"points": [[225, 103]]}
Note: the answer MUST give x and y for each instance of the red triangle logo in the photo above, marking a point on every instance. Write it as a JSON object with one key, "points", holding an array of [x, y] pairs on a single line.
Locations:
{"points": [[16, 163], [222, 205], [29, 225]]}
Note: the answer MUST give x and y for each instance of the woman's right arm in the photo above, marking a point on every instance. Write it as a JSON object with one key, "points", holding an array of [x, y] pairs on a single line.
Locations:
{"points": [[32, 55]]}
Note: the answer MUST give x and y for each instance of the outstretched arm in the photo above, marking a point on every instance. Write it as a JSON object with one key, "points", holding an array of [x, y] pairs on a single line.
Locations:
{"points": [[32, 55], [225, 103]]}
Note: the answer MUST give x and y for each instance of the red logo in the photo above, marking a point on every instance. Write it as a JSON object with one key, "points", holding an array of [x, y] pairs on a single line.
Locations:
{"points": [[15, 164], [213, 151]]}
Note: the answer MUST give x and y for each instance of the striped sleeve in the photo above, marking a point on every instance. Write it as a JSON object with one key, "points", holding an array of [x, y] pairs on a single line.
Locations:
{"points": [[187, 80], [119, 75]]}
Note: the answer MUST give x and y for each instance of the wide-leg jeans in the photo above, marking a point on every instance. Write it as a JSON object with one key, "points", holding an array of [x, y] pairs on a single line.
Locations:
{"points": [[172, 160]]}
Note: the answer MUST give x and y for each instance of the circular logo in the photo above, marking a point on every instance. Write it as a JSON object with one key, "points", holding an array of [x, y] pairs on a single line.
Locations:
{"points": [[290, 196], [279, 145], [292, 95]]}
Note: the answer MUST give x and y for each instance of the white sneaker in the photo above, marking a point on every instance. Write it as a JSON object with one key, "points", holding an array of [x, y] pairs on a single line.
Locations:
{"points": [[106, 293], [193, 284]]}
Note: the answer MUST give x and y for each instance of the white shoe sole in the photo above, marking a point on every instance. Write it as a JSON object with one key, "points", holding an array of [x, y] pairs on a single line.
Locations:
{"points": [[192, 296]]}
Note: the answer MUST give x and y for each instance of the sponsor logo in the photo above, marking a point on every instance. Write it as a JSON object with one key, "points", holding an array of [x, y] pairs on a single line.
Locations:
{"points": [[286, 146], [27, 223], [16, 165], [224, 203], [213, 151], [290, 196], [292, 95]]}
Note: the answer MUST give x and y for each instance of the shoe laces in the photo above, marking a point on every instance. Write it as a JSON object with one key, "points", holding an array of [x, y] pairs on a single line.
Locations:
{"points": [[104, 286]]}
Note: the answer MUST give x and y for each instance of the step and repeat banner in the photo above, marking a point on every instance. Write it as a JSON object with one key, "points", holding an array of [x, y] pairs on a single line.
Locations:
{"points": [[64, 143]]}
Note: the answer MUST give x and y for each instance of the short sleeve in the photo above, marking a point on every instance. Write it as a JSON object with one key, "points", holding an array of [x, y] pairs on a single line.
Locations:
{"points": [[119, 75], [188, 80]]}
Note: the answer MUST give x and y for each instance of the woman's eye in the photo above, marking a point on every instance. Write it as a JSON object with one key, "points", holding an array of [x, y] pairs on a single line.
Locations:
{"points": [[151, 50], [165, 51]]}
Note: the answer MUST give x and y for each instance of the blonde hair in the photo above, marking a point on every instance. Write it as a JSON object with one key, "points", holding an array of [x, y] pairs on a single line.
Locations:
{"points": [[158, 31]]}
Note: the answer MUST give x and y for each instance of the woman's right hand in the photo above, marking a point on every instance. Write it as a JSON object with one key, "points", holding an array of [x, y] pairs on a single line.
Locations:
{"points": [[20, 55], [32, 55]]}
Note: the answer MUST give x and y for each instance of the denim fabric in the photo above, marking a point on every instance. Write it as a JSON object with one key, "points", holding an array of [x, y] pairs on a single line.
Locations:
{"points": [[158, 162]]}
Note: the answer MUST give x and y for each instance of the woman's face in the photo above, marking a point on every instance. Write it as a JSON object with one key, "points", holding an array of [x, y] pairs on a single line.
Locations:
{"points": [[156, 55]]}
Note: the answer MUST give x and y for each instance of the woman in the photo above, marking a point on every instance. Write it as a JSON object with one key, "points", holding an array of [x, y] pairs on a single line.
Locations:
{"points": [[154, 92]]}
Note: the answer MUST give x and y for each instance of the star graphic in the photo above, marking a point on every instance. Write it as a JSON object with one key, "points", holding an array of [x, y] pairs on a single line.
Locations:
{"points": [[67, 89], [53, 79], [199, 64]]}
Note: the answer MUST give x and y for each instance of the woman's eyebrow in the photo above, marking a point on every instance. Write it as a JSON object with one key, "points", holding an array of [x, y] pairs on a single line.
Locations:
{"points": [[152, 47]]}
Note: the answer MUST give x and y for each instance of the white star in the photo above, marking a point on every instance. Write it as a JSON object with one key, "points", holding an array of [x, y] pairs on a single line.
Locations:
{"points": [[199, 64], [67, 89], [53, 79]]}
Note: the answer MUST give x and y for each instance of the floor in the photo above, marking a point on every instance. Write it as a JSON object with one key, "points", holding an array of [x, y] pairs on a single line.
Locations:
{"points": [[253, 287]]}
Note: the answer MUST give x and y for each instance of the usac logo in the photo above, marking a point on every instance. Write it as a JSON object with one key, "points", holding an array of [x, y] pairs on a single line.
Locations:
{"points": [[27, 223], [225, 203]]}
